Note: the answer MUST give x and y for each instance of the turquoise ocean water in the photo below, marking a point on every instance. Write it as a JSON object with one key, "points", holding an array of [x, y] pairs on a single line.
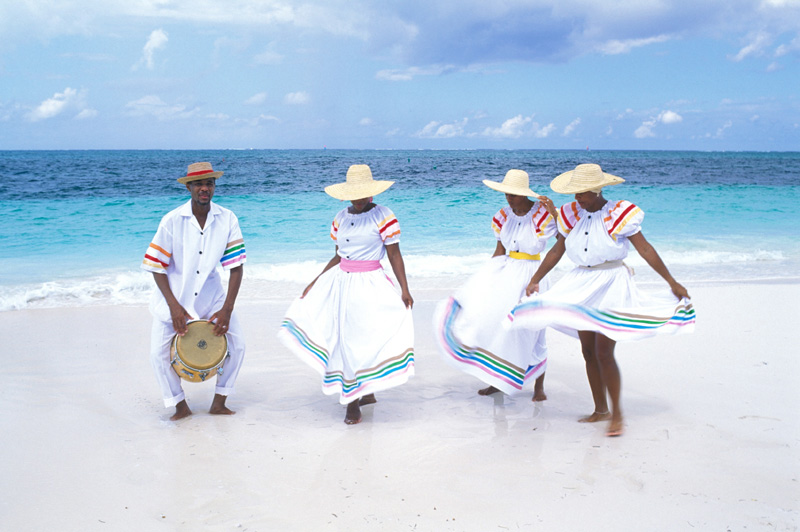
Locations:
{"points": [[76, 223]]}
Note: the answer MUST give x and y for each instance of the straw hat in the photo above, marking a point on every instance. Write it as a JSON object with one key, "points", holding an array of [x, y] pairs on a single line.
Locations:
{"points": [[583, 178], [359, 185], [199, 171], [515, 182]]}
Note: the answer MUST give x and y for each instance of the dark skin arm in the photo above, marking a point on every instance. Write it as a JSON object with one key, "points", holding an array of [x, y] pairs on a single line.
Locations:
{"points": [[399, 269], [649, 254], [222, 317], [177, 312], [550, 260], [500, 249]]}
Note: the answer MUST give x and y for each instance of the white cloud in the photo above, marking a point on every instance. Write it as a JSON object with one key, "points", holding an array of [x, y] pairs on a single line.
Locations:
{"points": [[158, 39], [758, 42], [407, 74], [256, 99], [297, 98], [268, 57], [669, 117], [571, 127], [365, 122], [616, 47], [60, 102], [645, 130], [437, 130], [543, 132], [721, 130], [153, 106], [513, 128]]}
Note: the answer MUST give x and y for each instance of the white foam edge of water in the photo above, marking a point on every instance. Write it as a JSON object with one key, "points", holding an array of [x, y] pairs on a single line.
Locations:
{"points": [[284, 280]]}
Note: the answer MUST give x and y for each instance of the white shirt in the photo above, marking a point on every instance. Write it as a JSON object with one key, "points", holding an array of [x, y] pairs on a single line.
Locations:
{"points": [[364, 236], [189, 256]]}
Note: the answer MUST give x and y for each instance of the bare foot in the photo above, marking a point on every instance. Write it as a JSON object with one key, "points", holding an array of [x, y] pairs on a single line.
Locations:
{"points": [[538, 395], [367, 400], [353, 415], [595, 417], [218, 406], [181, 411], [488, 391], [616, 427]]}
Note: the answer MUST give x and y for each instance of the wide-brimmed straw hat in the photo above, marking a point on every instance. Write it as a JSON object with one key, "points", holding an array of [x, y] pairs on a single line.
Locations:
{"points": [[583, 178], [199, 171], [358, 185], [515, 182]]}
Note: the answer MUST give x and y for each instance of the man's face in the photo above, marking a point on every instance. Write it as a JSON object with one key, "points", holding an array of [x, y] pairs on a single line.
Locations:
{"points": [[202, 190]]}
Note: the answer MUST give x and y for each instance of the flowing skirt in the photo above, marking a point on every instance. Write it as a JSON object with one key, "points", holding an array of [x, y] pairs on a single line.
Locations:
{"points": [[470, 333], [605, 301], [355, 330]]}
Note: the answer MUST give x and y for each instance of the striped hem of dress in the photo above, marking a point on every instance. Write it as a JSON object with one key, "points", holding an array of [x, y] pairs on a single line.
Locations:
{"points": [[389, 373], [614, 324], [478, 362]]}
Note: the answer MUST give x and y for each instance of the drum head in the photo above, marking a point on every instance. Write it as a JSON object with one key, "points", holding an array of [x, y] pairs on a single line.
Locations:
{"points": [[199, 348]]}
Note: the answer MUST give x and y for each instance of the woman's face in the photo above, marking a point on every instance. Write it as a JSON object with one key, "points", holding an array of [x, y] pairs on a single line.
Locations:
{"points": [[589, 201], [360, 204], [518, 204]]}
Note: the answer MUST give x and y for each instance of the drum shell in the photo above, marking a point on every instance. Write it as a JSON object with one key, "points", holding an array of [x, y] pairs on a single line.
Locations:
{"points": [[198, 354]]}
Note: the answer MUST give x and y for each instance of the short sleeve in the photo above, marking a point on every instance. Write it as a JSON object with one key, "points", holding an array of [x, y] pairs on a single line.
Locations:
{"points": [[335, 229], [624, 219], [568, 216], [235, 254], [159, 252], [543, 223], [388, 227], [498, 220]]}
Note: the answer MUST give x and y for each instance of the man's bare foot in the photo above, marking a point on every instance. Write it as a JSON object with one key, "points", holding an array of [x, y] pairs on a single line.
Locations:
{"points": [[367, 400], [353, 415], [218, 406], [538, 395], [488, 391], [595, 417], [616, 427], [181, 411]]}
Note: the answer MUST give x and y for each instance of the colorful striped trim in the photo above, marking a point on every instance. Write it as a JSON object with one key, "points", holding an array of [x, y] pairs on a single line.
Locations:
{"points": [[485, 361], [234, 253], [334, 230], [499, 220], [398, 366], [388, 228], [541, 219], [156, 257], [584, 318], [569, 217], [619, 216]]}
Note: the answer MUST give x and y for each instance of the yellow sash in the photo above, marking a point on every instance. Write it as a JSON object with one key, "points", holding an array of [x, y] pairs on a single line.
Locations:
{"points": [[523, 256]]}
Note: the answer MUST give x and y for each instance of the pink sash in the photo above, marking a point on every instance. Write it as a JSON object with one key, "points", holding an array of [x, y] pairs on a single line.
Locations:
{"points": [[352, 266]]}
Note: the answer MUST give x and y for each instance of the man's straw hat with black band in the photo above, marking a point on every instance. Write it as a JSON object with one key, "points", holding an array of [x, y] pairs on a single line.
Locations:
{"points": [[584, 178], [358, 185], [198, 171], [515, 182]]}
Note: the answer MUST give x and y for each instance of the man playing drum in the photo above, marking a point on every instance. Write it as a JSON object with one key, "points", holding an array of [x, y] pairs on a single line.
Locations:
{"points": [[190, 243]]}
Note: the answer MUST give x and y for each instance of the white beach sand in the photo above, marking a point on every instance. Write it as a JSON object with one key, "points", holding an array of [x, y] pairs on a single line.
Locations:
{"points": [[712, 441]]}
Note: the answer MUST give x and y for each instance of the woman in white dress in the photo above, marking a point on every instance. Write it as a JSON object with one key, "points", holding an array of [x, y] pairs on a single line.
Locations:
{"points": [[469, 325], [351, 323], [598, 301]]}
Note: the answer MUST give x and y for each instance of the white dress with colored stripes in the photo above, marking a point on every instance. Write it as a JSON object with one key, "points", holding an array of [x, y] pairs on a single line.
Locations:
{"points": [[353, 327], [603, 297], [469, 325]]}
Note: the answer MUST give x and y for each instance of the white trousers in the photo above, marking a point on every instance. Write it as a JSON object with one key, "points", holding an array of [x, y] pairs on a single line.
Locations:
{"points": [[169, 382]]}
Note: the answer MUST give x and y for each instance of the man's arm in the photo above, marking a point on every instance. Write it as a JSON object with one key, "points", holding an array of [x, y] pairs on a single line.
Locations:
{"points": [[222, 317], [176, 310]]}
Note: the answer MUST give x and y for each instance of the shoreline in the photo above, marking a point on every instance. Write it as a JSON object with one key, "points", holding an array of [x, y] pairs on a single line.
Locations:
{"points": [[712, 435]]}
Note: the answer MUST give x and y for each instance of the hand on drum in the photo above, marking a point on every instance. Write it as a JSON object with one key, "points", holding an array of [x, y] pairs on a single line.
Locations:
{"points": [[221, 319], [179, 318]]}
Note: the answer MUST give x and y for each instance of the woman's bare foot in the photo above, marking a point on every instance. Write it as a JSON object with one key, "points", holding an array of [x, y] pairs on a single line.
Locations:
{"points": [[181, 411], [488, 391], [367, 400], [353, 415], [539, 395], [616, 427], [595, 417], [218, 406]]}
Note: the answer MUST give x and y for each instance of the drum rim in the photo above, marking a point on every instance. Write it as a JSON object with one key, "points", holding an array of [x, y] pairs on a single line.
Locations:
{"points": [[176, 355]]}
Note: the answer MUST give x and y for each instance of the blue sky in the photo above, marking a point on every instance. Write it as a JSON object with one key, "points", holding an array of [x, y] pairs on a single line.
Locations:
{"points": [[435, 74]]}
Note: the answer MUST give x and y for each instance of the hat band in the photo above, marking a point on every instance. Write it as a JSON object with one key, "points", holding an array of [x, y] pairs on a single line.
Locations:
{"points": [[201, 172]]}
